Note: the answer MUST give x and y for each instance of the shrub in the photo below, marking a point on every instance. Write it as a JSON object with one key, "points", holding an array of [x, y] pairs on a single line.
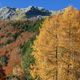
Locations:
{"points": [[4, 60], [12, 77], [2, 73], [8, 41], [15, 36]]}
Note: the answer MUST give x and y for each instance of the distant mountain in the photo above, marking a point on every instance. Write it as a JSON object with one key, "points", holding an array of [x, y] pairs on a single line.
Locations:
{"points": [[23, 13]]}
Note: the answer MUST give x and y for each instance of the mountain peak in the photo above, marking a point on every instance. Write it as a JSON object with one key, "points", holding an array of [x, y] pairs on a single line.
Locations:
{"points": [[21, 13]]}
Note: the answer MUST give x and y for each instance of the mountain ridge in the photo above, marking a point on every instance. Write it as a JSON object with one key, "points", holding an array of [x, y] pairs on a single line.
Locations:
{"points": [[8, 13]]}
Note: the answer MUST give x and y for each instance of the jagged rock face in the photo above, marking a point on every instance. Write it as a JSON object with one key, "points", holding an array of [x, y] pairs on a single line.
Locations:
{"points": [[7, 13], [16, 13], [35, 11]]}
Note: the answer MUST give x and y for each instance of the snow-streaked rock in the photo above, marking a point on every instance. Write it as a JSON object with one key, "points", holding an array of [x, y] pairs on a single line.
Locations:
{"points": [[21, 13]]}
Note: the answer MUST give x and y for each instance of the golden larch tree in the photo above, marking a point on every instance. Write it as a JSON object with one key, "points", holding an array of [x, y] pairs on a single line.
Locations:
{"points": [[57, 48]]}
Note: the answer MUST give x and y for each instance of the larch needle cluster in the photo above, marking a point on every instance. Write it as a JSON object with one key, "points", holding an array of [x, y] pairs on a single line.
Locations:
{"points": [[57, 48]]}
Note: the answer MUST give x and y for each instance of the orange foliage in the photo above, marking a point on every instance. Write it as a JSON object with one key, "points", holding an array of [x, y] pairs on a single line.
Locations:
{"points": [[57, 48], [7, 30]]}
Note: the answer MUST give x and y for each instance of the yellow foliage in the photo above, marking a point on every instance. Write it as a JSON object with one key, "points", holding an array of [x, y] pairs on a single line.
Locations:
{"points": [[57, 48]]}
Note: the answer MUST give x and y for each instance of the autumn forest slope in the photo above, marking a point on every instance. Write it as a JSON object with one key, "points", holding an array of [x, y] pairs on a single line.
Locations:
{"points": [[13, 36], [41, 48]]}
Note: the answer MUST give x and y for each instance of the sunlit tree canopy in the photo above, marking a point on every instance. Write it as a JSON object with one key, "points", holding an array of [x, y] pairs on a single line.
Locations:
{"points": [[57, 48]]}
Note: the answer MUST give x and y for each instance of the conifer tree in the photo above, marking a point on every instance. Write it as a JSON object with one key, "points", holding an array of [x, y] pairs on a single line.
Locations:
{"points": [[57, 48]]}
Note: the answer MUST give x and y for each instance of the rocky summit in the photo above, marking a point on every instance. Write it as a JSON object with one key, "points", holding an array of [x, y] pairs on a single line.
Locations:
{"points": [[7, 13]]}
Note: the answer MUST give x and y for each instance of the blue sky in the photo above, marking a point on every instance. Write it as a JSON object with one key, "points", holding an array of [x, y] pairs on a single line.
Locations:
{"points": [[48, 4]]}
